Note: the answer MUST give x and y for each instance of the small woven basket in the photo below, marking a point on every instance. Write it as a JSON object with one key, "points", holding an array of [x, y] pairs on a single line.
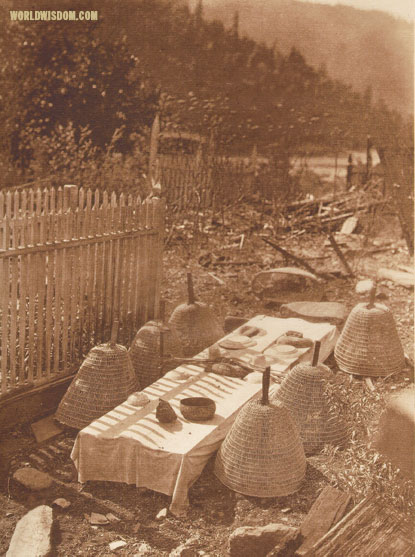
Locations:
{"points": [[262, 454], [105, 379], [153, 351], [195, 324], [369, 344], [303, 393]]}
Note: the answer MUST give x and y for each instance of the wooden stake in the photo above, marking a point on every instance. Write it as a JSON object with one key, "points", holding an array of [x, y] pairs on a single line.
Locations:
{"points": [[114, 332], [190, 292], [372, 295], [265, 385], [162, 311], [316, 353]]}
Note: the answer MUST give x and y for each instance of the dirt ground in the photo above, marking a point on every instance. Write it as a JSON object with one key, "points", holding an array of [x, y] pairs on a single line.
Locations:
{"points": [[223, 267]]}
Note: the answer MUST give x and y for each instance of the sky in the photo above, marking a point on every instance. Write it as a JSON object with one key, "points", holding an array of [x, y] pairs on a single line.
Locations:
{"points": [[399, 8]]}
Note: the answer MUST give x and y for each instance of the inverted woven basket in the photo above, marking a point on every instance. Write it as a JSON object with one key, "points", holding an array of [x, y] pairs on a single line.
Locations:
{"points": [[369, 344], [262, 454], [105, 379], [145, 352], [303, 393], [196, 327]]}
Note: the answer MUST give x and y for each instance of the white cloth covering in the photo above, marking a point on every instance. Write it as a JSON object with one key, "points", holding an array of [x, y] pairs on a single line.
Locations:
{"points": [[129, 445]]}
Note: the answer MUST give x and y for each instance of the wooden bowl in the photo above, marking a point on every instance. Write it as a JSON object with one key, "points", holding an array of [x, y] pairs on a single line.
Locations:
{"points": [[197, 408]]}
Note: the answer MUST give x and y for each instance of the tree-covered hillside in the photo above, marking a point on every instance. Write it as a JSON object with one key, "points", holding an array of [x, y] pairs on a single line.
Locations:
{"points": [[144, 56], [367, 49]]}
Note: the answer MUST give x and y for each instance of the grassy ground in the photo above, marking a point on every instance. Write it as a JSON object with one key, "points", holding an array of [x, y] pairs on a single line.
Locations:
{"points": [[223, 271]]}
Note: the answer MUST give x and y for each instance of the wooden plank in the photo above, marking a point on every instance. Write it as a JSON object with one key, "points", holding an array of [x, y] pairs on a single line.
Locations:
{"points": [[137, 266], [160, 226], [73, 243], [22, 317], [117, 267], [144, 265], [83, 272], [13, 315], [58, 257], [5, 293], [369, 530], [328, 509], [50, 285], [108, 269], [31, 283], [66, 291], [75, 272], [399, 277], [41, 291], [99, 281], [89, 271], [131, 279]]}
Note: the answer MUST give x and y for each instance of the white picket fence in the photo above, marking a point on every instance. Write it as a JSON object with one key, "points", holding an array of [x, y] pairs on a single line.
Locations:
{"points": [[72, 261]]}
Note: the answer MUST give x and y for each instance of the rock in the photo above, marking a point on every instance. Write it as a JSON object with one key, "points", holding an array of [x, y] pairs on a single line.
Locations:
{"points": [[260, 540], [97, 519], [143, 549], [184, 551], [62, 503], [112, 518], [117, 544], [396, 432], [32, 535], [33, 479], [187, 549], [162, 514]]}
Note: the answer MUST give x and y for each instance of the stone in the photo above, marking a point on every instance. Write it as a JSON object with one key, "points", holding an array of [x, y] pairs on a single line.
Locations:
{"points": [[117, 544], [62, 503], [143, 549], [97, 519], [46, 429], [33, 479], [32, 536], [184, 551], [187, 549], [247, 541], [112, 518], [395, 437], [161, 514]]}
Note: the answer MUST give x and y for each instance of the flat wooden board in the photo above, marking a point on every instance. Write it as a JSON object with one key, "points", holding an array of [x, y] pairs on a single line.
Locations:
{"points": [[45, 429], [326, 511]]}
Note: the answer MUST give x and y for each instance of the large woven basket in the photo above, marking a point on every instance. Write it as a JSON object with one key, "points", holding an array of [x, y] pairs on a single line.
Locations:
{"points": [[195, 324], [369, 344], [303, 392], [153, 351], [262, 454], [105, 379]]}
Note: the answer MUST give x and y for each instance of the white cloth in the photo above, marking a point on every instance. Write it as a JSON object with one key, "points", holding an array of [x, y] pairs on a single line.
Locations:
{"points": [[129, 445]]}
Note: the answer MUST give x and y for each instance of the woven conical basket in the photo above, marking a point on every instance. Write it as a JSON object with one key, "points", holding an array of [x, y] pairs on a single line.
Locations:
{"points": [[262, 454], [195, 324], [105, 379], [146, 352], [303, 393], [369, 344]]}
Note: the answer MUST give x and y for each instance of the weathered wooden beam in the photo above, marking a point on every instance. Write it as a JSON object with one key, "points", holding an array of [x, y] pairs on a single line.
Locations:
{"points": [[340, 255], [326, 511]]}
